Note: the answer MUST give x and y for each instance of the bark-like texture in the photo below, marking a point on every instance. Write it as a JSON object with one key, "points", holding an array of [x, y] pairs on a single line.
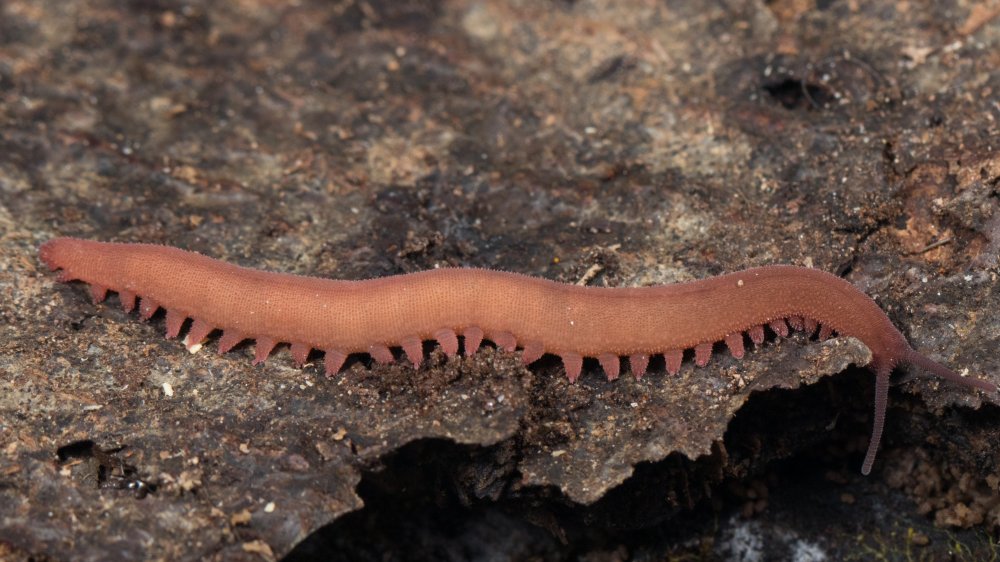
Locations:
{"points": [[620, 143]]}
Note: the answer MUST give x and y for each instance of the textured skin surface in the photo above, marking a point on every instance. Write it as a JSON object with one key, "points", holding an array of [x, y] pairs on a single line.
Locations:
{"points": [[343, 317], [353, 315]]}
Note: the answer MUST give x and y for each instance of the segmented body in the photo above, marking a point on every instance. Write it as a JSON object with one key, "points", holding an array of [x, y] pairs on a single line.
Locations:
{"points": [[512, 310]]}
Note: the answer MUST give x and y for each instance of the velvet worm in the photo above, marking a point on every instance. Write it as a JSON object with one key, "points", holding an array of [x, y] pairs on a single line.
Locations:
{"points": [[512, 310]]}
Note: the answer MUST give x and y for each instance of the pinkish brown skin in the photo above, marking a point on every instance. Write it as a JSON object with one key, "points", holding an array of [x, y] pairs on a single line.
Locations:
{"points": [[541, 316]]}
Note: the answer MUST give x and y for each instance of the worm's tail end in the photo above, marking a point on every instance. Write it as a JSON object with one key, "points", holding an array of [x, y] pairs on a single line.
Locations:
{"points": [[882, 392], [914, 358], [881, 398]]}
